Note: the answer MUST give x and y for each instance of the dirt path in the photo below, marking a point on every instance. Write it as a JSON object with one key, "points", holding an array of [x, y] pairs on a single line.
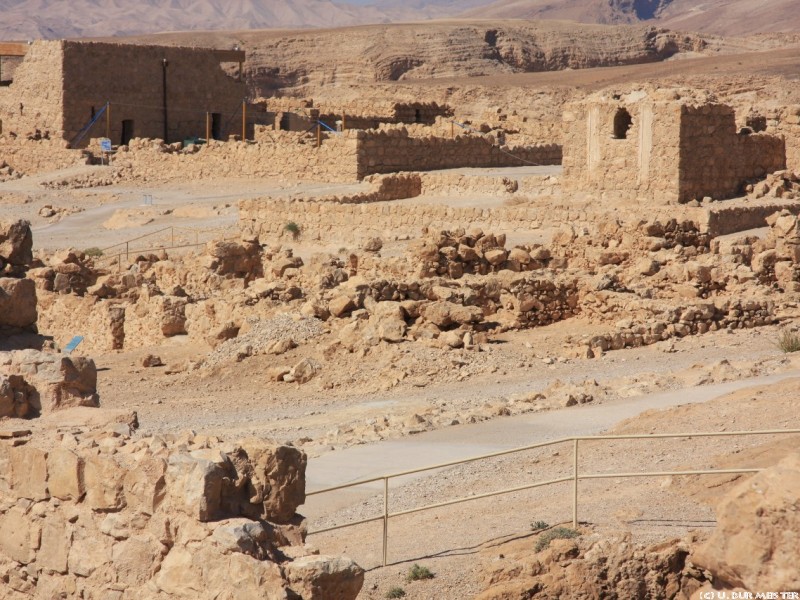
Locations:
{"points": [[464, 441]]}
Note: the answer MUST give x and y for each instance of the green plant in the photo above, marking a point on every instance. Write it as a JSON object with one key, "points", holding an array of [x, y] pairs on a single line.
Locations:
{"points": [[789, 341], [418, 572], [292, 228], [539, 525], [93, 251], [396, 592], [559, 533]]}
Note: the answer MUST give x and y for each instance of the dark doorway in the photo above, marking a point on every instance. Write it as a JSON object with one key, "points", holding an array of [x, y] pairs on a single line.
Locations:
{"points": [[127, 132], [286, 122], [622, 123], [417, 116], [216, 126]]}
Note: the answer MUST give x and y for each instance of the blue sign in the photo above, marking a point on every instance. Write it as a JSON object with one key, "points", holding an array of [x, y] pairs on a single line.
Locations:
{"points": [[105, 145], [74, 342]]}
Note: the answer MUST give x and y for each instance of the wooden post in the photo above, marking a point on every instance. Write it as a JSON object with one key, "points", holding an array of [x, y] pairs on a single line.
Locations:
{"points": [[344, 121], [452, 130], [208, 126], [319, 135], [244, 120], [108, 120]]}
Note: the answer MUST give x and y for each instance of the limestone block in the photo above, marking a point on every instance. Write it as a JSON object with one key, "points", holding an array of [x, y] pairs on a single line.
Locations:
{"points": [[320, 577], [17, 302], [19, 538], [145, 485], [276, 485], [89, 551], [136, 559], [56, 540], [65, 469], [29, 473], [195, 482], [103, 481], [16, 243]]}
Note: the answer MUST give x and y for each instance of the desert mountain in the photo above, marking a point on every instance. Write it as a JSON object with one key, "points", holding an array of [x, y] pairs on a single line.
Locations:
{"points": [[31, 19], [722, 17]]}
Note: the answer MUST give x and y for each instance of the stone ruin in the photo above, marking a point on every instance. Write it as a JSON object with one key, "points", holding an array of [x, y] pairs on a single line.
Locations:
{"points": [[89, 510], [666, 146]]}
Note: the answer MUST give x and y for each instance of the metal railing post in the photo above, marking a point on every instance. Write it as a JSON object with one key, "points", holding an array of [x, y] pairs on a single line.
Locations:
{"points": [[127, 251], [172, 234], [575, 484], [385, 518]]}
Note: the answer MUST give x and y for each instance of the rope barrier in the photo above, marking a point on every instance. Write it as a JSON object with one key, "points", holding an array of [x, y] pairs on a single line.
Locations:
{"points": [[82, 133]]}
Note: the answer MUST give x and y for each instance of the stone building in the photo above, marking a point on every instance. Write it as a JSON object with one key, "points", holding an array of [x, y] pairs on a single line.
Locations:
{"points": [[662, 145], [152, 91]]}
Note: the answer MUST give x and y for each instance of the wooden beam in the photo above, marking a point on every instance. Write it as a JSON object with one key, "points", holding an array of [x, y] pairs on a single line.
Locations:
{"points": [[236, 56], [13, 49]]}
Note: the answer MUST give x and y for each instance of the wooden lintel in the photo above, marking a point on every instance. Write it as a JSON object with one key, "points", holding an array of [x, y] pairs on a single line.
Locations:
{"points": [[13, 49], [234, 56]]}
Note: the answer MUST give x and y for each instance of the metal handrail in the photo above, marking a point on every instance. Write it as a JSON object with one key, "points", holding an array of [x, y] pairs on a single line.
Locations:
{"points": [[575, 477]]}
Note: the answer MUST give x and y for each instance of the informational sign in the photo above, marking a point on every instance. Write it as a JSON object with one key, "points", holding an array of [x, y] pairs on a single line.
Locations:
{"points": [[105, 145], [73, 343]]}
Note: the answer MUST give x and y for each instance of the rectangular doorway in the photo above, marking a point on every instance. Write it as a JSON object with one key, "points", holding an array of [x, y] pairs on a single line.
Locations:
{"points": [[127, 132], [216, 126]]}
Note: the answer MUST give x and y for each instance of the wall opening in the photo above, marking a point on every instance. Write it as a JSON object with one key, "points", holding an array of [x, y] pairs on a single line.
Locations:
{"points": [[216, 126], [286, 122], [127, 132], [417, 116], [622, 123]]}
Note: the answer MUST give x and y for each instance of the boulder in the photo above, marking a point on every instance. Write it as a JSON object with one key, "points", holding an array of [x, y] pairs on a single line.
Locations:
{"points": [[16, 243], [320, 577], [17, 303], [756, 544]]}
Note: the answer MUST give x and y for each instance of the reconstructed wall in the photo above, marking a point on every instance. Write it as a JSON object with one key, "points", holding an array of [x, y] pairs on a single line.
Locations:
{"points": [[132, 79], [643, 164], [392, 150], [676, 148], [283, 155], [59, 86], [34, 99], [716, 160]]}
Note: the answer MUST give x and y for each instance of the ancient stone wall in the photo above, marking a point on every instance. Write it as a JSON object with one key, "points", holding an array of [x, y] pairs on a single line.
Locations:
{"points": [[132, 79], [714, 160], [640, 160], [392, 150], [283, 155], [662, 147], [91, 512], [34, 100], [788, 124]]}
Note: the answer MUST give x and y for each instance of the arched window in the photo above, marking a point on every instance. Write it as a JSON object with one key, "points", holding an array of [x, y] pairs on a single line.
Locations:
{"points": [[622, 123]]}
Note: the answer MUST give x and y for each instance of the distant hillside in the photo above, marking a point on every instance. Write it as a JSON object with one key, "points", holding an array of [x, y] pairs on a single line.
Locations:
{"points": [[722, 17], [32, 19]]}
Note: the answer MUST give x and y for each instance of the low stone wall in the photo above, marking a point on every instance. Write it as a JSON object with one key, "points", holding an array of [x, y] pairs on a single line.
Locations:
{"points": [[692, 319], [100, 514], [730, 217], [30, 157], [392, 150]]}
